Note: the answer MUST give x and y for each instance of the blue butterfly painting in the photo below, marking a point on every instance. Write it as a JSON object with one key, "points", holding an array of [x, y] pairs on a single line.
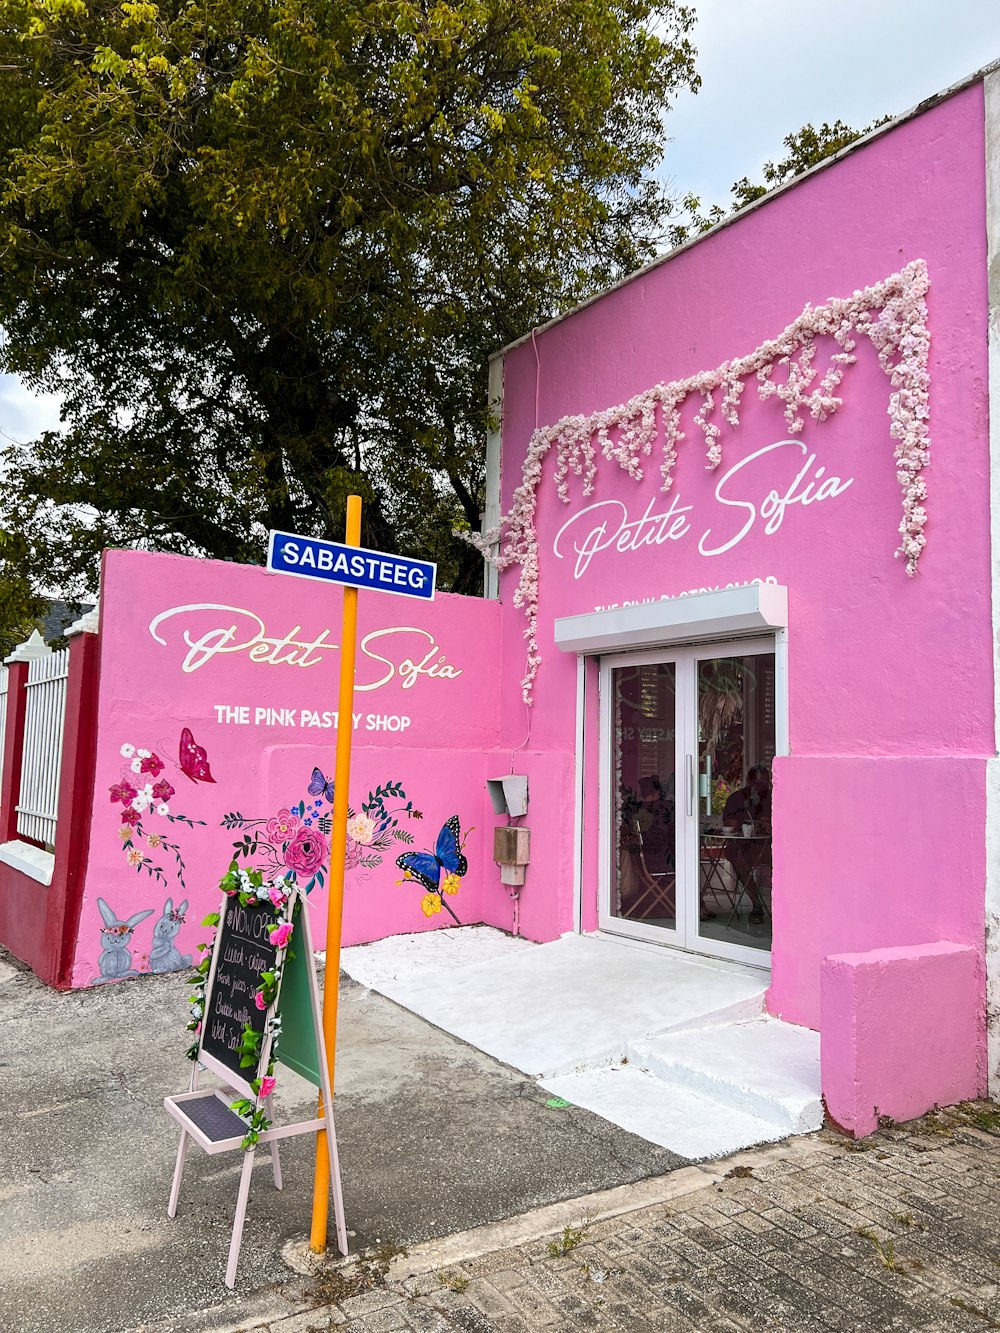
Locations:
{"points": [[426, 867], [319, 786]]}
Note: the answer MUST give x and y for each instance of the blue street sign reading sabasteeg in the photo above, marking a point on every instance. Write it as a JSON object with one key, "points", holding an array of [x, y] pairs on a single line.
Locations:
{"points": [[314, 558]]}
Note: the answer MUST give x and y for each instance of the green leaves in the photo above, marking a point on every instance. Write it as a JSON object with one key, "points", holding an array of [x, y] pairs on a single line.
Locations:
{"points": [[265, 252]]}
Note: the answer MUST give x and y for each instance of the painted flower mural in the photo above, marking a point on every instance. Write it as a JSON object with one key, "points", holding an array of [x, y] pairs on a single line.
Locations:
{"points": [[144, 794], [294, 842]]}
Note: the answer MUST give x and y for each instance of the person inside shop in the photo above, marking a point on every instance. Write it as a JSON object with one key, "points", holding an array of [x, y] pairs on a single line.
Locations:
{"points": [[646, 852], [658, 835], [656, 823], [750, 807]]}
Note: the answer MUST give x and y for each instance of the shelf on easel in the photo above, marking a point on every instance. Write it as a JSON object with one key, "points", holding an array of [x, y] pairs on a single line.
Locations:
{"points": [[208, 1118]]}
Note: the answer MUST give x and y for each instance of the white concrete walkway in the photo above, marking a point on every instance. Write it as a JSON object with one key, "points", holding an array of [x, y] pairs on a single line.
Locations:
{"points": [[674, 1048]]}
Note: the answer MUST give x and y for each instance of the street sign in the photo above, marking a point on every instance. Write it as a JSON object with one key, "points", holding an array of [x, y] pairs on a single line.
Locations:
{"points": [[334, 562]]}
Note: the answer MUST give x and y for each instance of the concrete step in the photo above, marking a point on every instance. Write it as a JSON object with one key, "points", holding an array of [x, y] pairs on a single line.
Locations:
{"points": [[673, 1116], [708, 1092], [672, 1047], [766, 1069]]}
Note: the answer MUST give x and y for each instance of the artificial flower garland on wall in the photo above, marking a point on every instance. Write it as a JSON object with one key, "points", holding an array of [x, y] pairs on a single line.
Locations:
{"points": [[892, 314]]}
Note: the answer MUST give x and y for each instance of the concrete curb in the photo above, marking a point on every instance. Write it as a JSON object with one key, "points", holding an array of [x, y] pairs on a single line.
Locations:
{"points": [[541, 1222]]}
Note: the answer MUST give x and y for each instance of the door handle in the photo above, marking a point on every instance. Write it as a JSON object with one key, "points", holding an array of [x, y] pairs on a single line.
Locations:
{"points": [[691, 780]]}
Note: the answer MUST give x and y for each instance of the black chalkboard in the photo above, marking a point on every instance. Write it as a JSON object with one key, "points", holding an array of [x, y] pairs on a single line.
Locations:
{"points": [[243, 953]]}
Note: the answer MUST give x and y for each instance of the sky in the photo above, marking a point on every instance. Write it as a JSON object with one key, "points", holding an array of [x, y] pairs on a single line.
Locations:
{"points": [[24, 415], [767, 68]]}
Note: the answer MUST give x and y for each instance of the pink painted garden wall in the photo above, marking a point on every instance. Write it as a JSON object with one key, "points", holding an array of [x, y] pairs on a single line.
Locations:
{"points": [[879, 808], [217, 720]]}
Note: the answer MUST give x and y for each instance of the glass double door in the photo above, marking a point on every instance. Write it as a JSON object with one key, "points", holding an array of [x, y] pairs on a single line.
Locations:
{"points": [[687, 740]]}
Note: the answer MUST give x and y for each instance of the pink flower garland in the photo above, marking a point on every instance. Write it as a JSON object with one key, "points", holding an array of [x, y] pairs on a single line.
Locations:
{"points": [[892, 314]]}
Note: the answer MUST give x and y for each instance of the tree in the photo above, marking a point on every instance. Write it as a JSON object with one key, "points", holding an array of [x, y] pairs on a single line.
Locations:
{"points": [[21, 609], [265, 249], [806, 147]]}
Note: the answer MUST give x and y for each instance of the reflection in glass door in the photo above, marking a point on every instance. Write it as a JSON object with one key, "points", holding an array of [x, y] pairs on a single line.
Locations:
{"points": [[644, 794], [736, 743], [688, 737]]}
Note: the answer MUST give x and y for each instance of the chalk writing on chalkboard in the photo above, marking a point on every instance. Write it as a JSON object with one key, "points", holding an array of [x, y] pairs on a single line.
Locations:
{"points": [[244, 952]]}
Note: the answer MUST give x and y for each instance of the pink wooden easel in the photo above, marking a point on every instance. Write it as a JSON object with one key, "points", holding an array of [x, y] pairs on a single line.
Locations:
{"points": [[205, 1115]]}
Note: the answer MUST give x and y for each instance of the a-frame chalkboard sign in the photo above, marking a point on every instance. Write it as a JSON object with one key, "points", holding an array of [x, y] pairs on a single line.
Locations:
{"points": [[242, 951]]}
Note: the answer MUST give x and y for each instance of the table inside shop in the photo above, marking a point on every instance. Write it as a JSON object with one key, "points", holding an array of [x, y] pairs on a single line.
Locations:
{"points": [[745, 864]]}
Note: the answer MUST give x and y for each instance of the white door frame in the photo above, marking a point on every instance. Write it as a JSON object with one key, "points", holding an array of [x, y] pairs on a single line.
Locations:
{"points": [[685, 659], [606, 919]]}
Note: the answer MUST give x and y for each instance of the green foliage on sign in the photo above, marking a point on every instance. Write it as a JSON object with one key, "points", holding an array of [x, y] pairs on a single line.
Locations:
{"points": [[264, 251]]}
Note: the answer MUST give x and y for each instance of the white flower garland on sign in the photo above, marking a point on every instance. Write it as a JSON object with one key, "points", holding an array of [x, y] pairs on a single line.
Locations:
{"points": [[892, 314]]}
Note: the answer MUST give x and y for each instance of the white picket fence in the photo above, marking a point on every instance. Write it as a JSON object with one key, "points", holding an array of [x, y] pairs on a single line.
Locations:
{"points": [[45, 713]]}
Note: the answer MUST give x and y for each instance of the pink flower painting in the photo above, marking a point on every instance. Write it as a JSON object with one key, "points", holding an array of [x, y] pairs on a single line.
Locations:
{"points": [[306, 852], [145, 800], [281, 828], [293, 846]]}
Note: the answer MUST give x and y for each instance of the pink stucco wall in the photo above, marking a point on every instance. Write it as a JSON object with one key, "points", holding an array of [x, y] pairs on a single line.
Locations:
{"points": [[883, 1007], [169, 662], [879, 807]]}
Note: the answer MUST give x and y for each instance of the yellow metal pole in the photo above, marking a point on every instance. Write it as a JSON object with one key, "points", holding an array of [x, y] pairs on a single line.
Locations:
{"points": [[338, 852]]}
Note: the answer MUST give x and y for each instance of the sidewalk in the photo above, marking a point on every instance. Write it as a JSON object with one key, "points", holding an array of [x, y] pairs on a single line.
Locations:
{"points": [[815, 1235]]}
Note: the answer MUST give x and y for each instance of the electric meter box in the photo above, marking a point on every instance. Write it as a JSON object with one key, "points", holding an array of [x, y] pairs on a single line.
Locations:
{"points": [[511, 846]]}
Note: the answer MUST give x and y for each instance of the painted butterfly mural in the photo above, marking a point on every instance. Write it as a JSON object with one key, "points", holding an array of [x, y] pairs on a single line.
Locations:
{"points": [[321, 786], [193, 758], [426, 868]]}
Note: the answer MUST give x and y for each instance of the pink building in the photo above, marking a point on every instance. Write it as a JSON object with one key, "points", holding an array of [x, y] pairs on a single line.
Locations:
{"points": [[741, 647], [751, 529]]}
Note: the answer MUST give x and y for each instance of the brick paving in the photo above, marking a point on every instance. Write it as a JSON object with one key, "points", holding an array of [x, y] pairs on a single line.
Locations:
{"points": [[901, 1232]]}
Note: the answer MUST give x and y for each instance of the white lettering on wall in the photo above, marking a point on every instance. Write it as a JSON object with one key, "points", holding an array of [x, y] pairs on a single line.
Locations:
{"points": [[239, 715], [747, 493], [607, 524], [774, 505], [238, 630]]}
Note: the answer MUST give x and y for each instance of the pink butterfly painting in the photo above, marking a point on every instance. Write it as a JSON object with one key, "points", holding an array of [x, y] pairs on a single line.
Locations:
{"points": [[194, 759]]}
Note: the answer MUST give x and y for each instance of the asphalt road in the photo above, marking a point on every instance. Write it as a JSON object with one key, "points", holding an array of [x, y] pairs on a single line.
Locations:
{"points": [[435, 1137]]}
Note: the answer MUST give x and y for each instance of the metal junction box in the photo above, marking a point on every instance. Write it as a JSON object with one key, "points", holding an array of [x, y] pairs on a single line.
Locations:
{"points": [[511, 849]]}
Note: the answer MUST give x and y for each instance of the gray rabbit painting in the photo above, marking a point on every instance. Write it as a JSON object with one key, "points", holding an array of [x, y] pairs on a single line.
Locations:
{"points": [[115, 962], [164, 956]]}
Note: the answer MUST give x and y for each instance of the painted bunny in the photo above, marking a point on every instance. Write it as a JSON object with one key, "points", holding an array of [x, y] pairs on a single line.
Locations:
{"points": [[115, 961], [164, 956]]}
